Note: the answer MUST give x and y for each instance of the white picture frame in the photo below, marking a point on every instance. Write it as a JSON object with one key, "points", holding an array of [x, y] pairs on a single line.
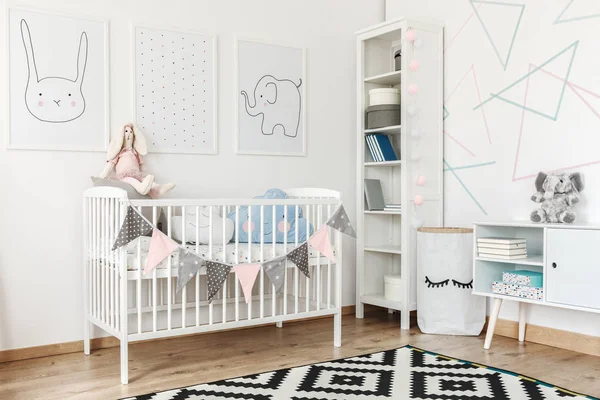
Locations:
{"points": [[85, 125], [191, 137], [250, 136]]}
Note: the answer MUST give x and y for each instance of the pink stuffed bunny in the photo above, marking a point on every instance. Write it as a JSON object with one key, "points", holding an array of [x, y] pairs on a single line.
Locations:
{"points": [[124, 157]]}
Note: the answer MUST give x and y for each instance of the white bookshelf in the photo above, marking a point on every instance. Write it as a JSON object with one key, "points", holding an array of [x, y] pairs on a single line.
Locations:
{"points": [[386, 242]]}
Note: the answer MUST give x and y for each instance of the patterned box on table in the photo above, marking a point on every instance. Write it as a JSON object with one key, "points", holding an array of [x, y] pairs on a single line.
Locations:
{"points": [[526, 292], [524, 278]]}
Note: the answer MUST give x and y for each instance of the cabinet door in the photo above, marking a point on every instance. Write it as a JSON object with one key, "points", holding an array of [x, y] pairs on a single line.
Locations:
{"points": [[573, 267]]}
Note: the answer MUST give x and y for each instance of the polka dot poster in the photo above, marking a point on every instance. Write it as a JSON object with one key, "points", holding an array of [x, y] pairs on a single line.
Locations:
{"points": [[175, 91]]}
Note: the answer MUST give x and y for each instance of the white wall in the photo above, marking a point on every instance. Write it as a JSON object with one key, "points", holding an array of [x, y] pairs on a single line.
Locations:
{"points": [[40, 209], [520, 143]]}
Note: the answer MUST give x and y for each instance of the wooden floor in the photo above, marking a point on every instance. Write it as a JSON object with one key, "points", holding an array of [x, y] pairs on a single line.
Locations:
{"points": [[184, 361]]}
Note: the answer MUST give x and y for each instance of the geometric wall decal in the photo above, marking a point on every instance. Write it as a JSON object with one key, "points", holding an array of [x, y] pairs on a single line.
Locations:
{"points": [[569, 56], [561, 20], [449, 168], [465, 148], [460, 30], [485, 164], [497, 28], [580, 159], [446, 113]]}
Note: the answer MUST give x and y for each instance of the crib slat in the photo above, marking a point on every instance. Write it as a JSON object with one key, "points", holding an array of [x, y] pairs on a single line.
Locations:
{"points": [[117, 265], [328, 264], [307, 279], [318, 285], [198, 275], [96, 240], [210, 257], [154, 294], [262, 258], [274, 240], [139, 279], [184, 290], [248, 258], [224, 289], [285, 249], [90, 258], [106, 246], [296, 269], [170, 272], [112, 262], [237, 257]]}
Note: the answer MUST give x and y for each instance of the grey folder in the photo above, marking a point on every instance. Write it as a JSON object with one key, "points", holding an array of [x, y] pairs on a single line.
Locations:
{"points": [[374, 194]]}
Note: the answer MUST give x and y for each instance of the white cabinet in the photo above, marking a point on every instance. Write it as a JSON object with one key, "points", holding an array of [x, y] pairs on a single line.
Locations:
{"points": [[565, 254], [573, 267]]}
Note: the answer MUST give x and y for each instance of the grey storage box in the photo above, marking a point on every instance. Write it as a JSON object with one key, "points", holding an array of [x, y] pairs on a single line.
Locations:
{"points": [[383, 115]]}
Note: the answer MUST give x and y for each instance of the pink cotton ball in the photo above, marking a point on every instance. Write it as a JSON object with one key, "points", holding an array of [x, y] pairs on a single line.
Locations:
{"points": [[414, 65], [421, 180], [413, 89], [411, 35], [418, 200]]}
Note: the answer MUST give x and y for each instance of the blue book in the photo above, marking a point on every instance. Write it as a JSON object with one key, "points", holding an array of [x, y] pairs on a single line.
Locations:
{"points": [[387, 150]]}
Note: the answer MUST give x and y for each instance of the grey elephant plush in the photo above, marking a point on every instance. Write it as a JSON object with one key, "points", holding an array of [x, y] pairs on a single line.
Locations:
{"points": [[557, 192]]}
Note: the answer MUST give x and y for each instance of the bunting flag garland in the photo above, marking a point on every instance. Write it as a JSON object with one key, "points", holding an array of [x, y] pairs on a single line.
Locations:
{"points": [[246, 274], [133, 227], [189, 265], [275, 268], [160, 247], [340, 221], [217, 273], [320, 241], [299, 256]]}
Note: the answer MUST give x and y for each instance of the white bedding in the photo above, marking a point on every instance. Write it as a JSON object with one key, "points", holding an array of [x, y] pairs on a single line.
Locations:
{"points": [[217, 253]]}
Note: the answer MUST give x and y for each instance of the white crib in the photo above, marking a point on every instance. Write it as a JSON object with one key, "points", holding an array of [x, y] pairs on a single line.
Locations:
{"points": [[131, 306]]}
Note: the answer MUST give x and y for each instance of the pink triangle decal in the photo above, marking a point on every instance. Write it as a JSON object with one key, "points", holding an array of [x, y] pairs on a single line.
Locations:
{"points": [[160, 247], [246, 274], [320, 241]]}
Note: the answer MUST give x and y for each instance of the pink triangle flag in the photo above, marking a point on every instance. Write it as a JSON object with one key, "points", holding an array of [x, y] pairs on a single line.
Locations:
{"points": [[246, 274], [320, 241], [160, 247]]}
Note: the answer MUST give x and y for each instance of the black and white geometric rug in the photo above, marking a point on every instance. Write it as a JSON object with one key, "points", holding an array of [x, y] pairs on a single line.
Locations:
{"points": [[404, 373]]}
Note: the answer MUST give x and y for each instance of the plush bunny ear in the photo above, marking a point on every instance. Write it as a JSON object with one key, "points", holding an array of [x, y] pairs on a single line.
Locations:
{"points": [[116, 144], [539, 181], [139, 141]]}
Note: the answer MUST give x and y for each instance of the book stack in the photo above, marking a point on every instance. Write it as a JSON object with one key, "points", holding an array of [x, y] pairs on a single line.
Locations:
{"points": [[380, 147], [524, 284], [393, 207], [502, 248]]}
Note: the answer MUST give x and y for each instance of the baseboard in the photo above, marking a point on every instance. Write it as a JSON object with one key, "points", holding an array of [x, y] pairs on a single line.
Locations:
{"points": [[76, 346], [550, 337]]}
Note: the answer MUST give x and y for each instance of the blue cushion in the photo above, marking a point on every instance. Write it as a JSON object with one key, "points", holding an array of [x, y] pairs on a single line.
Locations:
{"points": [[243, 225]]}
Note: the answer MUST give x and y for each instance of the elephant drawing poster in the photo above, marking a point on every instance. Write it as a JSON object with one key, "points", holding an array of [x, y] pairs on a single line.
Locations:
{"points": [[58, 82], [270, 99]]}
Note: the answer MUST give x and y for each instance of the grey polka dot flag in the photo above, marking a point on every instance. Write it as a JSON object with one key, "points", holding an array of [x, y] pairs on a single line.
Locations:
{"points": [[275, 270], [189, 265], [217, 273], [133, 227], [299, 256], [340, 221]]}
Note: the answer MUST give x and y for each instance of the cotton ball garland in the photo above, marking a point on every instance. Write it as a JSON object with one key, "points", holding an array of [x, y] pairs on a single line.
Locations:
{"points": [[417, 223], [416, 156], [421, 180], [418, 200], [415, 133], [414, 65], [411, 35], [411, 110], [418, 43], [413, 89]]}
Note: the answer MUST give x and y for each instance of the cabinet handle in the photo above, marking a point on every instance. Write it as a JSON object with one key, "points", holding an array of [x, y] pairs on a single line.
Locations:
{"points": [[553, 265]]}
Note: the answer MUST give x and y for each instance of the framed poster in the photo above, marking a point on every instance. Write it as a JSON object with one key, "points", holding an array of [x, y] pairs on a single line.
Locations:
{"points": [[58, 72], [175, 90], [270, 99]]}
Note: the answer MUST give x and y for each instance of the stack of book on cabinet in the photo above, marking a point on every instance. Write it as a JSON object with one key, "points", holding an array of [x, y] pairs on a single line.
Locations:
{"points": [[393, 207], [380, 147], [502, 248], [524, 284]]}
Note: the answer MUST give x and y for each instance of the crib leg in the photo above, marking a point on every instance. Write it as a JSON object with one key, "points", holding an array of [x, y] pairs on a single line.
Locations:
{"points": [[279, 324], [337, 329], [86, 336], [124, 361]]}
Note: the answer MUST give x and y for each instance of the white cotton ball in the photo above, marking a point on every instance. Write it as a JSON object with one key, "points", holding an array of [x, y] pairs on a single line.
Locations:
{"points": [[412, 110], [415, 133], [417, 223]]}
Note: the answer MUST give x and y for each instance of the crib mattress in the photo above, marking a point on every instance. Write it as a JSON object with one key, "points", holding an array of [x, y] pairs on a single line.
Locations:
{"points": [[245, 253]]}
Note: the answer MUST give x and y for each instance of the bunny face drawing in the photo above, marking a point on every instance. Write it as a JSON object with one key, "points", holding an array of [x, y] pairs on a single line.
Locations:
{"points": [[54, 99]]}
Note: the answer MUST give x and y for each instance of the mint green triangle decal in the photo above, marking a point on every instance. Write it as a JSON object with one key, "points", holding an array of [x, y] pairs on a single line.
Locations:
{"points": [[446, 113], [503, 60], [559, 19], [572, 47]]}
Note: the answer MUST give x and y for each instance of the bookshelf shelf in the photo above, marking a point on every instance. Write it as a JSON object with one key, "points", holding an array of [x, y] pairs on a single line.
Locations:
{"points": [[386, 240], [389, 79], [383, 163], [388, 130], [534, 260]]}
